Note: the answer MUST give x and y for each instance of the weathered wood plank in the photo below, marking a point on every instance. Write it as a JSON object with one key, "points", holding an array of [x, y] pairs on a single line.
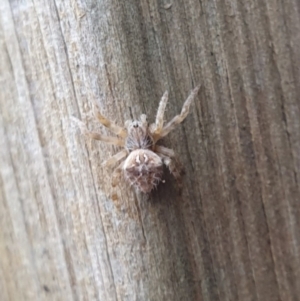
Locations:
{"points": [[233, 232]]}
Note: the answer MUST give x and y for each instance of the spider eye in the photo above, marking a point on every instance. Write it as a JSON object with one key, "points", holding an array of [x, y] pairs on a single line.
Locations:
{"points": [[135, 125]]}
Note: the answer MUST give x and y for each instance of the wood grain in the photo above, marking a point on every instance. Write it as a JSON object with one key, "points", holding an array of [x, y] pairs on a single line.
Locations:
{"points": [[233, 232]]}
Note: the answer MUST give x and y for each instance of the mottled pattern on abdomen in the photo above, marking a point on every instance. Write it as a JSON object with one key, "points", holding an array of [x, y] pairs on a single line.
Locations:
{"points": [[143, 169]]}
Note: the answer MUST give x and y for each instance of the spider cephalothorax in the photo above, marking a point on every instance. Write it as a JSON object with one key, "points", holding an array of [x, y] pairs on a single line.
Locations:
{"points": [[142, 160], [138, 135]]}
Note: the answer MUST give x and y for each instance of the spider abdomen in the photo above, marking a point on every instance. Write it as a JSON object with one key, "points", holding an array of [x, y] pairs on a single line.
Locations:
{"points": [[143, 169]]}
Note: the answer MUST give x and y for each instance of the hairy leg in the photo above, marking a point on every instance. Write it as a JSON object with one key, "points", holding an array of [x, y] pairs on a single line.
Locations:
{"points": [[175, 169], [117, 174], [106, 139], [115, 158], [171, 161], [157, 127], [164, 150], [171, 125], [110, 125], [98, 136]]}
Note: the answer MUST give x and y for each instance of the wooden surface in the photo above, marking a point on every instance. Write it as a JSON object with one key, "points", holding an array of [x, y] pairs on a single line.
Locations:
{"points": [[233, 233]]}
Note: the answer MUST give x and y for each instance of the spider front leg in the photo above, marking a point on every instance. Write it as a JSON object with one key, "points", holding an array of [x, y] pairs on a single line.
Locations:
{"points": [[157, 127], [110, 125], [179, 118]]}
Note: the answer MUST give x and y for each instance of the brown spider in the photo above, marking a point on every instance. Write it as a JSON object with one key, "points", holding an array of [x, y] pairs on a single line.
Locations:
{"points": [[141, 159]]}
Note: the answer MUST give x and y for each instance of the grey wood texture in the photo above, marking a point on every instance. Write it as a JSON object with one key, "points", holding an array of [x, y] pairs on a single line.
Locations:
{"points": [[233, 232]]}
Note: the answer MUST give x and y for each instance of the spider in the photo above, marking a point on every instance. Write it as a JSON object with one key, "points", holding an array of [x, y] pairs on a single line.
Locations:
{"points": [[141, 161]]}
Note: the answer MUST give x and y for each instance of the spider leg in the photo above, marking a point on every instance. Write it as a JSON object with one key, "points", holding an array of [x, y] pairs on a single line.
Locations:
{"points": [[174, 169], [115, 158], [106, 139], [157, 127], [164, 150], [98, 136], [169, 158], [110, 125], [179, 118], [117, 174]]}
